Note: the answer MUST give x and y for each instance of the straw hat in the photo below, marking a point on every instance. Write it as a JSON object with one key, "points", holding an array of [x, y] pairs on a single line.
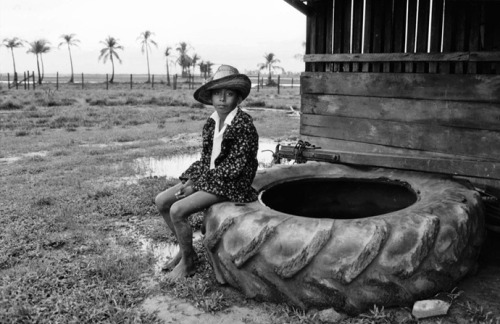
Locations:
{"points": [[226, 77]]}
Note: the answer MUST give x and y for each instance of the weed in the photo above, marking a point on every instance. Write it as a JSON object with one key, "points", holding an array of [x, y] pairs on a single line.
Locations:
{"points": [[10, 105], [44, 201], [378, 316], [477, 314], [22, 133]]}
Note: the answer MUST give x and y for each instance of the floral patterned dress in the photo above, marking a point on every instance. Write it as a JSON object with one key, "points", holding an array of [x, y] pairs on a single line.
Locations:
{"points": [[236, 165]]}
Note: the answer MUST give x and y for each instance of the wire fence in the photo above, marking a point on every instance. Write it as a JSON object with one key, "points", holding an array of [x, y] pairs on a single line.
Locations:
{"points": [[29, 81]]}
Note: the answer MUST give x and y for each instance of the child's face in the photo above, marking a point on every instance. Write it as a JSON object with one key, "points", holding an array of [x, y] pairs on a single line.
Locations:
{"points": [[225, 100]]}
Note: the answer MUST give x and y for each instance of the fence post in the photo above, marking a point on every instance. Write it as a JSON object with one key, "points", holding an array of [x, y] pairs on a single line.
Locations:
{"points": [[28, 78], [292, 83], [258, 85], [8, 80], [153, 82], [57, 80], [15, 80], [82, 81], [278, 84], [107, 83], [175, 82], [33, 75], [131, 81], [24, 80]]}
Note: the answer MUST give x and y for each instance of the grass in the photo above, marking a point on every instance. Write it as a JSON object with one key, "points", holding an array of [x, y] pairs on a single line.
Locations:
{"points": [[65, 255], [66, 203]]}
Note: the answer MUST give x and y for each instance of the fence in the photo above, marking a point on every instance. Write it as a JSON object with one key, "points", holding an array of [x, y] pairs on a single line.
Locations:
{"points": [[130, 81]]}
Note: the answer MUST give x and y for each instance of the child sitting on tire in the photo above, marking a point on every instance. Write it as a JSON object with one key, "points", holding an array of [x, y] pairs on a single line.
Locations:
{"points": [[225, 170]]}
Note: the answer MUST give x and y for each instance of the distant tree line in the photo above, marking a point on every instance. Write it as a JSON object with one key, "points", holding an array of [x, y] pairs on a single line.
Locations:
{"points": [[110, 51]]}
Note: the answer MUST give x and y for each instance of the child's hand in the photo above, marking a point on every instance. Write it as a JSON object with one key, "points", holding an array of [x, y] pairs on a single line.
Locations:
{"points": [[185, 190]]}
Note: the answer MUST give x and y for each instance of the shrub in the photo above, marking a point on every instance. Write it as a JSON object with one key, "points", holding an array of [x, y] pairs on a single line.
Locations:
{"points": [[10, 105], [257, 103]]}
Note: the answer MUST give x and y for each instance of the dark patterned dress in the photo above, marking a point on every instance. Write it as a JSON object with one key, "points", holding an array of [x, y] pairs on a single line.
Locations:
{"points": [[236, 165]]}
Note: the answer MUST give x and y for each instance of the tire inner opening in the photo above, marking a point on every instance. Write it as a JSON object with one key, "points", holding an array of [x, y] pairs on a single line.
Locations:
{"points": [[343, 198]]}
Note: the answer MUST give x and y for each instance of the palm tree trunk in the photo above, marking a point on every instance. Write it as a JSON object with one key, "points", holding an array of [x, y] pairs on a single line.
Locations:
{"points": [[14, 63], [43, 68], [168, 76], [147, 59], [113, 69], [71, 62], [38, 68]]}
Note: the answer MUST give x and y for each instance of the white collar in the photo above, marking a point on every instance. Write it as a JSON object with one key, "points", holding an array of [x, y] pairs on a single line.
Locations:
{"points": [[229, 117]]}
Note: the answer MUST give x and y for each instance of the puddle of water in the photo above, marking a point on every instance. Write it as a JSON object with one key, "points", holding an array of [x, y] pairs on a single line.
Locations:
{"points": [[162, 251], [174, 166]]}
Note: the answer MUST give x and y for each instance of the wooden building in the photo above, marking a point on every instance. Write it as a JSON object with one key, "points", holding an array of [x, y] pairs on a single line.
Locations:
{"points": [[407, 84]]}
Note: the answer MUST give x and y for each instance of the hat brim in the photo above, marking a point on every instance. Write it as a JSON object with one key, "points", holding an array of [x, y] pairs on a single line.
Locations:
{"points": [[238, 82]]}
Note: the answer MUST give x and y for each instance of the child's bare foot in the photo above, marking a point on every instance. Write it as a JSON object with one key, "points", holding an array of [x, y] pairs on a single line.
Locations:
{"points": [[170, 264], [182, 270]]}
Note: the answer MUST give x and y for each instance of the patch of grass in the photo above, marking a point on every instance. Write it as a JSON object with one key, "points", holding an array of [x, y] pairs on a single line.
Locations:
{"points": [[22, 133], [10, 105]]}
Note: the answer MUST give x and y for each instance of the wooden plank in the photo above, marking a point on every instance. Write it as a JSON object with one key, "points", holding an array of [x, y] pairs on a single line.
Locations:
{"points": [[463, 114], [367, 43], [474, 35], [486, 169], [491, 32], [338, 35], [388, 32], [329, 32], [320, 9], [346, 44], [479, 88], [493, 56], [411, 31], [342, 145], [378, 33], [300, 6], [434, 138], [399, 31], [357, 31], [422, 32], [309, 41], [436, 31], [461, 30], [448, 33]]}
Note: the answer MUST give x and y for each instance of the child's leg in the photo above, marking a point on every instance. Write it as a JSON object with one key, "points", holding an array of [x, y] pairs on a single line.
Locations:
{"points": [[179, 213], [164, 201]]}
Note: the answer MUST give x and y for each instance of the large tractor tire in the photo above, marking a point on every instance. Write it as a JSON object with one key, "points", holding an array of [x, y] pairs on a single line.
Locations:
{"points": [[325, 235]]}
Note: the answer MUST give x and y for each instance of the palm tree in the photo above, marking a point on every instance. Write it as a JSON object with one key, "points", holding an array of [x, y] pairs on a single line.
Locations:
{"points": [[69, 40], [146, 42], [38, 48], [167, 54], [271, 60], [184, 60], [205, 68], [45, 49], [194, 59], [109, 51], [13, 43]]}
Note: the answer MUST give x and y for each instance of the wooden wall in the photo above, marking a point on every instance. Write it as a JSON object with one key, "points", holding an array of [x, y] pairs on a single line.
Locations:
{"points": [[387, 88]]}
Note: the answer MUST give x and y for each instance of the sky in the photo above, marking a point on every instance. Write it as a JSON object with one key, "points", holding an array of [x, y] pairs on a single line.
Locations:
{"points": [[233, 32]]}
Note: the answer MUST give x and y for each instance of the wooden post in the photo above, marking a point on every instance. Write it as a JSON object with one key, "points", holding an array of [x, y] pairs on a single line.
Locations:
{"points": [[24, 80], [258, 82], [292, 83], [107, 82], [153, 81], [33, 75], [28, 78], [8, 80], [15, 80], [82, 81], [278, 84], [175, 82], [130, 81], [57, 80]]}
